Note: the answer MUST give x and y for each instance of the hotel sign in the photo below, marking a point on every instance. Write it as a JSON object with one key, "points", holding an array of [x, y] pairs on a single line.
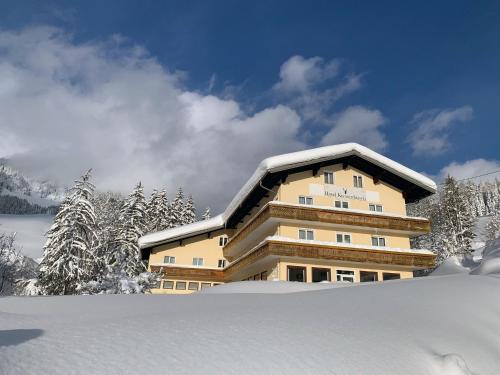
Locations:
{"points": [[343, 192]]}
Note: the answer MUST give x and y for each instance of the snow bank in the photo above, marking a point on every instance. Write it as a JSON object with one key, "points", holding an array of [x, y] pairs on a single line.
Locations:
{"points": [[433, 325], [271, 287]]}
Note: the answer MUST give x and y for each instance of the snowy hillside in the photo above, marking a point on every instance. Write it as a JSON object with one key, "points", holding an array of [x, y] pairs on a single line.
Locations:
{"points": [[17, 186], [434, 325]]}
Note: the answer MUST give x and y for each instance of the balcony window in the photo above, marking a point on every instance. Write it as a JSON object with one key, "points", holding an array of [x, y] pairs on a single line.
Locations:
{"points": [[378, 241], [329, 178], [221, 263], [169, 260], [198, 262], [297, 274], [358, 181], [375, 207], [305, 200], [320, 274], [343, 238], [168, 284], [222, 241], [306, 234], [341, 204], [345, 276]]}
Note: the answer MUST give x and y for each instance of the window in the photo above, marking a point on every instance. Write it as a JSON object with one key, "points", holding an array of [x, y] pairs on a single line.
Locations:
{"points": [[297, 274], [341, 204], [205, 285], [221, 263], [193, 286], [391, 276], [169, 260], [320, 274], [375, 207], [197, 261], [378, 241], [328, 177], [358, 181], [263, 275], [155, 284], [222, 241], [215, 284], [168, 284], [305, 200], [256, 277], [306, 234], [343, 238], [345, 276], [180, 285], [366, 276]]}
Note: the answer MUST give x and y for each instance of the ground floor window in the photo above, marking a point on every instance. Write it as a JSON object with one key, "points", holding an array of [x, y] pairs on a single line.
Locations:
{"points": [[391, 276], [169, 260], [345, 276], [193, 286], [297, 274], [320, 274], [256, 277], [367, 276], [180, 285], [168, 284], [205, 285], [263, 275]]}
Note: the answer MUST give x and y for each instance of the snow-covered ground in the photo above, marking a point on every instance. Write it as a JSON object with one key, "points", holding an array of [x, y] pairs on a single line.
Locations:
{"points": [[30, 231], [432, 325]]}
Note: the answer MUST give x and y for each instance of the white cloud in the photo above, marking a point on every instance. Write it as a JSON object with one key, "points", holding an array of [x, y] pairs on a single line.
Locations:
{"points": [[300, 74], [67, 106], [430, 136], [358, 124], [470, 168]]}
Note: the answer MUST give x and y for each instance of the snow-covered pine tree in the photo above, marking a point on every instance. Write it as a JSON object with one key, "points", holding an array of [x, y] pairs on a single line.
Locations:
{"points": [[493, 227], [107, 208], [206, 214], [70, 258], [158, 211], [188, 212], [457, 221], [177, 209], [132, 225]]}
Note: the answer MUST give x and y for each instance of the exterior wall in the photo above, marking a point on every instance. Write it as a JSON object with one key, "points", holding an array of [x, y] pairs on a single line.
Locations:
{"points": [[299, 184], [358, 236], [333, 267], [196, 247]]}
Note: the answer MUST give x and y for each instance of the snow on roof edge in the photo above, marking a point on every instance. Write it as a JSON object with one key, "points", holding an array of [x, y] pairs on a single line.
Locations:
{"points": [[198, 227], [282, 162]]}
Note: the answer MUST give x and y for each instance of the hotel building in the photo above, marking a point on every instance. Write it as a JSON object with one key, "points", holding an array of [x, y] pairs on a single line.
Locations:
{"points": [[335, 213]]}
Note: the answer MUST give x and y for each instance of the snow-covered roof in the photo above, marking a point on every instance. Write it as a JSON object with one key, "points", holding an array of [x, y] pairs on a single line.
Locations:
{"points": [[177, 233], [284, 162]]}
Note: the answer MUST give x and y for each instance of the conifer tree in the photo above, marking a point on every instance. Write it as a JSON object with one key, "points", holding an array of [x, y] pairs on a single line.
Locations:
{"points": [[206, 214], [177, 209], [126, 255], [158, 211], [70, 257], [188, 212], [493, 227]]}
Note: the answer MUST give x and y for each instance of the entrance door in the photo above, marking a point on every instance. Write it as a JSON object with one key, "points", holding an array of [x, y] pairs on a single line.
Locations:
{"points": [[366, 276], [297, 274], [320, 274]]}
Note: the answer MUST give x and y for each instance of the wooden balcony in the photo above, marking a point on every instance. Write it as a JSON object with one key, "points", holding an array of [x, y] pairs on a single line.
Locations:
{"points": [[280, 211], [280, 248], [189, 273]]}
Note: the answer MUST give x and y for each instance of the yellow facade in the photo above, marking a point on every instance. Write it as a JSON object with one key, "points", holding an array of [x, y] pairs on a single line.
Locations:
{"points": [[303, 189]]}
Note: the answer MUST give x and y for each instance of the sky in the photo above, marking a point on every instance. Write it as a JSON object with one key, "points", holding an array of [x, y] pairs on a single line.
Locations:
{"points": [[196, 93]]}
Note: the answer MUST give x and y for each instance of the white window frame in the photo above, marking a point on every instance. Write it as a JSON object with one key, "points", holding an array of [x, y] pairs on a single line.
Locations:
{"points": [[344, 235], [223, 240], [306, 200], [378, 240], [168, 281], [221, 263], [326, 179], [198, 262], [306, 233], [357, 181], [375, 207], [168, 259], [345, 277], [342, 204]]}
